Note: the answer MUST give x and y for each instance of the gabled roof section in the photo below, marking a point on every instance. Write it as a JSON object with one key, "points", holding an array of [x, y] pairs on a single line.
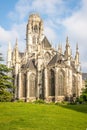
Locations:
{"points": [[21, 54], [46, 43], [53, 60], [56, 59], [31, 64], [84, 76]]}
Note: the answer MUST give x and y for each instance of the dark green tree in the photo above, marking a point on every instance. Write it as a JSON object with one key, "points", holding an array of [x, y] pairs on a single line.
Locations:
{"points": [[84, 92], [6, 85], [1, 59], [83, 96]]}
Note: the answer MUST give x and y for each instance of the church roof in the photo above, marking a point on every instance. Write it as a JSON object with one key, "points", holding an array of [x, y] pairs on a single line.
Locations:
{"points": [[56, 59], [53, 60], [21, 54], [31, 64], [84, 76], [46, 43]]}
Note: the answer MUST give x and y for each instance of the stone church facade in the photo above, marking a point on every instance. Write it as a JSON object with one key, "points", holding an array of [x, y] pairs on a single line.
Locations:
{"points": [[41, 72]]}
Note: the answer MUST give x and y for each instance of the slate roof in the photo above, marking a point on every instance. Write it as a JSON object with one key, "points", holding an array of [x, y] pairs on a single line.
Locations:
{"points": [[21, 54], [56, 59], [46, 43], [31, 64], [53, 60], [84, 76]]}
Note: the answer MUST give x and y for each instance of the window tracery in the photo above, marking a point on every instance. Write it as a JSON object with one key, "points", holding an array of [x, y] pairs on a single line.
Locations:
{"points": [[32, 85], [60, 83]]}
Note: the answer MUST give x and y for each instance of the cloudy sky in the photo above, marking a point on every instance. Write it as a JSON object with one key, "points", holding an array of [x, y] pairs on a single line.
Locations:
{"points": [[61, 18]]}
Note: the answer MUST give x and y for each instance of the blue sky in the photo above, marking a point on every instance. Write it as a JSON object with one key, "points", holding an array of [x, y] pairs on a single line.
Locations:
{"points": [[61, 18]]}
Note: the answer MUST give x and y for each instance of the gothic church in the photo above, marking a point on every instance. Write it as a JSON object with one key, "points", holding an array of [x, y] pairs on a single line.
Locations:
{"points": [[41, 72]]}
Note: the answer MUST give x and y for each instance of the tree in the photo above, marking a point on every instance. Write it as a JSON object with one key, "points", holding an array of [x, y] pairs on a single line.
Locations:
{"points": [[1, 59], [84, 92], [83, 96], [6, 86]]}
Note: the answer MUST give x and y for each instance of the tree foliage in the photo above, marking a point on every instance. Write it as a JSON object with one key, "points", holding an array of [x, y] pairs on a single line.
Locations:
{"points": [[83, 96], [6, 85], [84, 92]]}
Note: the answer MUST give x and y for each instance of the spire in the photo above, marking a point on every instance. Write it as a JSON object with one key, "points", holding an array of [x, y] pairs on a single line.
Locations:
{"points": [[77, 54], [77, 49], [9, 45], [68, 50], [77, 63], [16, 50], [16, 44], [67, 41], [60, 48]]}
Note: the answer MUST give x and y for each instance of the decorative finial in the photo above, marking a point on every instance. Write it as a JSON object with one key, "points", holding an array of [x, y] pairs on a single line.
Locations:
{"points": [[67, 40], [77, 46], [58, 47], [16, 43], [77, 49], [61, 47], [9, 45]]}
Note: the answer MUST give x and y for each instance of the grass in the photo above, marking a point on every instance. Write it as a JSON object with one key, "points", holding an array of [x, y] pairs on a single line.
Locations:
{"points": [[26, 116]]}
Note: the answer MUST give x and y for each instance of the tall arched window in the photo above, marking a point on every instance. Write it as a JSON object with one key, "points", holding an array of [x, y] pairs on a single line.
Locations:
{"points": [[32, 81], [23, 85], [47, 57], [60, 83], [74, 86], [34, 40], [51, 83]]}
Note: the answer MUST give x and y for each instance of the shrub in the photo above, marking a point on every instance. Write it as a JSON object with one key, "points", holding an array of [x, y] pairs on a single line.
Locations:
{"points": [[39, 101], [5, 96]]}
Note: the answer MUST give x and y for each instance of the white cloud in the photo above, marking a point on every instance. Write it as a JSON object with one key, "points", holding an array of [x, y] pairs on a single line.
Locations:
{"points": [[76, 27], [59, 21]]}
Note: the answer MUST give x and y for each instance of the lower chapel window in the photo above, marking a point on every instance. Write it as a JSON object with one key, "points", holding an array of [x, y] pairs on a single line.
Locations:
{"points": [[60, 84], [52, 83], [32, 85]]}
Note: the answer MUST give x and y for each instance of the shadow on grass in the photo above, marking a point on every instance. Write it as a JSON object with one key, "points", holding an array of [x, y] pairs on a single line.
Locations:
{"points": [[79, 108]]}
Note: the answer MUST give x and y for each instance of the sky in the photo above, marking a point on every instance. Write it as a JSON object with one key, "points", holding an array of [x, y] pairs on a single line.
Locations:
{"points": [[61, 18]]}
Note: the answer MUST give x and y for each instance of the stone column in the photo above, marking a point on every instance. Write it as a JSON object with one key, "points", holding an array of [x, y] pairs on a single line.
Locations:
{"points": [[15, 83], [69, 84], [56, 83], [19, 86], [46, 83], [27, 96], [79, 84]]}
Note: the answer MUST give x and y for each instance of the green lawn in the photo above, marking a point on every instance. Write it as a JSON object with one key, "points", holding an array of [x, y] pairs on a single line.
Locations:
{"points": [[26, 116]]}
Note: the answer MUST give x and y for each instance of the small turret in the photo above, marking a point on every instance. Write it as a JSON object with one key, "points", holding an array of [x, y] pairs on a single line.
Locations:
{"points": [[60, 48], [77, 62], [16, 50], [77, 55], [9, 55], [67, 42], [68, 50]]}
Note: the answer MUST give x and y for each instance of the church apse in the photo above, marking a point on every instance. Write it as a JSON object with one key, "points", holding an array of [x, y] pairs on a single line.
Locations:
{"points": [[42, 69]]}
